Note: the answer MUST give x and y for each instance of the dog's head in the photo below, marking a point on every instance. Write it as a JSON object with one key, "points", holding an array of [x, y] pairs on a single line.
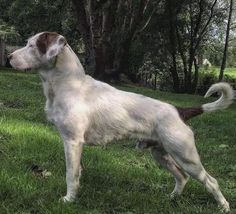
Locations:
{"points": [[40, 51]]}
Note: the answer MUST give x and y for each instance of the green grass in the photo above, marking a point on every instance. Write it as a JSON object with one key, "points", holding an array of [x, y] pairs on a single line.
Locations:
{"points": [[117, 179], [231, 72], [228, 71]]}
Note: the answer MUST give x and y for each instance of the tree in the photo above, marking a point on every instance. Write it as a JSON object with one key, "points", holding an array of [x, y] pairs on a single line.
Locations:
{"points": [[108, 28], [191, 32], [223, 64], [177, 36], [7, 34], [116, 35], [33, 16]]}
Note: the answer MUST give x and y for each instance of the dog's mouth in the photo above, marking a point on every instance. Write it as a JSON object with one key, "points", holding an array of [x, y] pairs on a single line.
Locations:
{"points": [[22, 68], [28, 69], [19, 66]]}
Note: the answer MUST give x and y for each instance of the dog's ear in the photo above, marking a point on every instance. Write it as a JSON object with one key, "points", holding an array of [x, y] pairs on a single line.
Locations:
{"points": [[56, 47], [50, 44]]}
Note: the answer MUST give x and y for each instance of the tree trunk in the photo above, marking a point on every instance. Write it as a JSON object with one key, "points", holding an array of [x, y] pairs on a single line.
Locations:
{"points": [[183, 58], [84, 29], [95, 17], [122, 58], [197, 29], [155, 81], [188, 77], [223, 64], [173, 43], [196, 74], [175, 79], [108, 32], [2, 52]]}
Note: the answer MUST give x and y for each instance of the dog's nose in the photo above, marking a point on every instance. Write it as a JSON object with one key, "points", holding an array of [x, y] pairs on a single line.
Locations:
{"points": [[10, 56]]}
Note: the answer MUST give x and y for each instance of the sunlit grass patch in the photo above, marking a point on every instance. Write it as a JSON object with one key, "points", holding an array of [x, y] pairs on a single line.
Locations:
{"points": [[115, 179]]}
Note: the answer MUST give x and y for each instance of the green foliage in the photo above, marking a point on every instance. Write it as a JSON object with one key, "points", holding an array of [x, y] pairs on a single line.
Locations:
{"points": [[33, 16], [213, 50], [231, 57], [8, 33], [136, 57], [154, 67], [206, 79], [181, 29], [230, 79], [166, 38], [118, 179], [231, 71]]}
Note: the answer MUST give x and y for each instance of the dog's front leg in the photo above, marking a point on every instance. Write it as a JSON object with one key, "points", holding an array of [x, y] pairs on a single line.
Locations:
{"points": [[73, 151]]}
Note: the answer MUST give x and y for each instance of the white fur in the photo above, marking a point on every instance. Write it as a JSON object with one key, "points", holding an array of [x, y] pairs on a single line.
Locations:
{"points": [[87, 111], [224, 101]]}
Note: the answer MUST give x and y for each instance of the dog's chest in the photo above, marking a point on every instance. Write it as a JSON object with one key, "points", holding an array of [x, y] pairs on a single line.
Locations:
{"points": [[61, 105], [52, 110], [48, 87], [50, 93]]}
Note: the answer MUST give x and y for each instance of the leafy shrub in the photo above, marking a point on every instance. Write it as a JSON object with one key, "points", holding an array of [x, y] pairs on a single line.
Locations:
{"points": [[206, 79], [231, 80]]}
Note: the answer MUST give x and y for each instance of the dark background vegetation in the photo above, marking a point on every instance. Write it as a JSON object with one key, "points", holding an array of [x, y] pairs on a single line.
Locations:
{"points": [[161, 43]]}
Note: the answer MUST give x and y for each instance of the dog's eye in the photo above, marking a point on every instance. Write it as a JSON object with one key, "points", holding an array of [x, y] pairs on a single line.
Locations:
{"points": [[30, 46]]}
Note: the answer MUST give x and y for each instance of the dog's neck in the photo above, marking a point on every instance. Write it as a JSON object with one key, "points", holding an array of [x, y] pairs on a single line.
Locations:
{"points": [[67, 68], [67, 61]]}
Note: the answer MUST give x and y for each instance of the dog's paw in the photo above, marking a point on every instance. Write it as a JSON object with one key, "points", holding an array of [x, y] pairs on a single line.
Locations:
{"points": [[225, 207], [66, 199], [174, 195]]}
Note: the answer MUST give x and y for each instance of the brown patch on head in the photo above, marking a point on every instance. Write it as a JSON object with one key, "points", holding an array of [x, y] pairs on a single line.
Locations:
{"points": [[45, 40]]}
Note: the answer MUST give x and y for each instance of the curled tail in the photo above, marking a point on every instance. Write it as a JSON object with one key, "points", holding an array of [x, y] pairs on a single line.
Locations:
{"points": [[185, 114], [225, 99], [223, 102]]}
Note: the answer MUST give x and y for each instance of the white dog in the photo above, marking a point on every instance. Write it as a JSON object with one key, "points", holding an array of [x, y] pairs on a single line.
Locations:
{"points": [[87, 111]]}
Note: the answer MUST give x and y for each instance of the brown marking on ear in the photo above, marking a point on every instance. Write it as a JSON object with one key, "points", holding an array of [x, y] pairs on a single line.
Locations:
{"points": [[45, 40], [187, 113]]}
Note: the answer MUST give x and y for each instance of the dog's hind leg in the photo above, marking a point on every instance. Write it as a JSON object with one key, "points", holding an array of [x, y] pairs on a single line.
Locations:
{"points": [[166, 161], [180, 145]]}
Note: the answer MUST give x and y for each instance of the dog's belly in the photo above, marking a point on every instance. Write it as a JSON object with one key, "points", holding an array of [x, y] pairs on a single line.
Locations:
{"points": [[105, 133], [95, 137]]}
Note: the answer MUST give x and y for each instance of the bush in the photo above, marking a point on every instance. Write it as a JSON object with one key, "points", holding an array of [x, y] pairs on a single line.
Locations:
{"points": [[231, 80], [206, 79]]}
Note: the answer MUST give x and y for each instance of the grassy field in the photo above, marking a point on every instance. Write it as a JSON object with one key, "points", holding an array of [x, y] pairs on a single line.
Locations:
{"points": [[228, 71], [231, 71], [116, 179]]}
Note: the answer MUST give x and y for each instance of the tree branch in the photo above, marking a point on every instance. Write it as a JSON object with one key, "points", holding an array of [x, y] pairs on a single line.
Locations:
{"points": [[147, 21], [200, 3], [83, 25], [201, 34]]}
